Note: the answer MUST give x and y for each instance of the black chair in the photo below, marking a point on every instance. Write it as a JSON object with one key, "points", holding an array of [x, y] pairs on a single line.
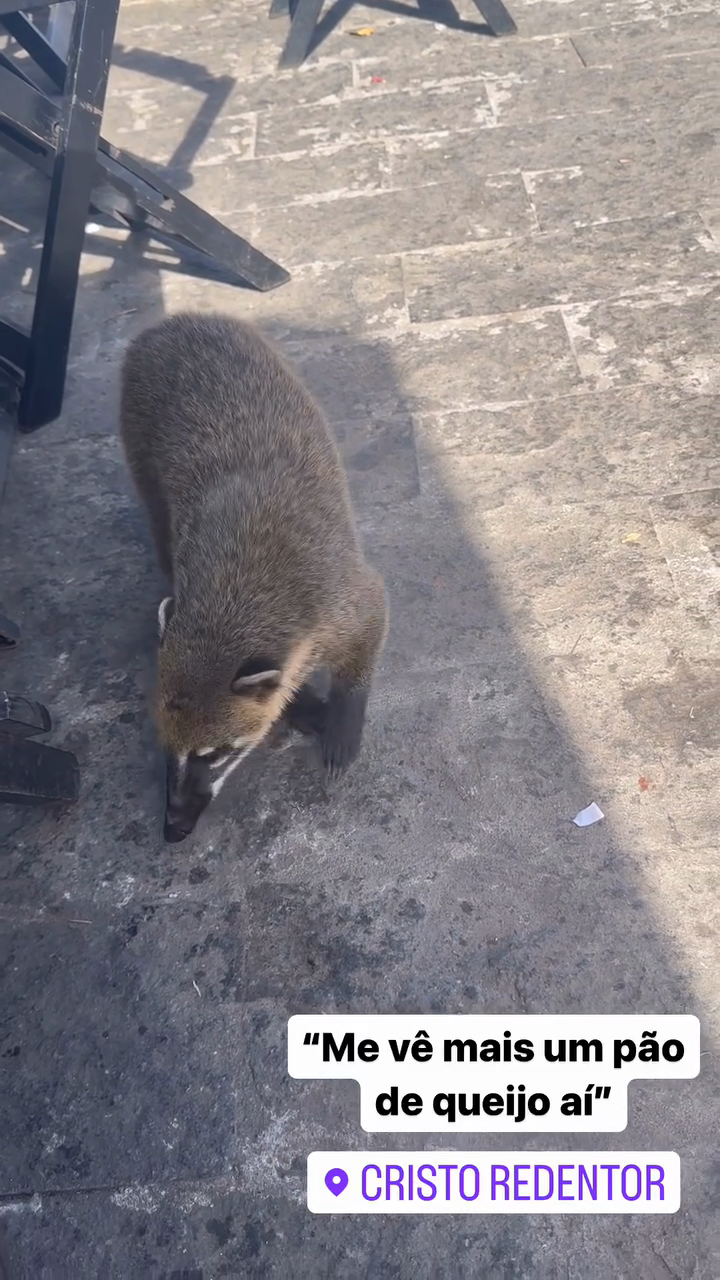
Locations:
{"points": [[304, 15], [58, 133], [60, 137]]}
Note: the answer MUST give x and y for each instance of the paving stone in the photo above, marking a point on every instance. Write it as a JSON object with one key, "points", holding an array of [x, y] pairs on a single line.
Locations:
{"points": [[430, 562], [380, 457], [543, 270], [688, 528], [649, 739], [320, 301], [160, 140], [376, 116], [659, 37], [108, 851], [95, 473], [228, 1228], [659, 707], [239, 40], [565, 449], [197, 1228], [625, 186], [231, 82], [223, 184], [511, 359], [134, 1080], [387, 222], [566, 142], [422, 370], [710, 215], [378, 451], [586, 577], [666, 337], [675, 89], [553, 17], [438, 55]]}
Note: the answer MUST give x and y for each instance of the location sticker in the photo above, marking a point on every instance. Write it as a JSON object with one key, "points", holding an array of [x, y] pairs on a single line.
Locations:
{"points": [[336, 1181]]}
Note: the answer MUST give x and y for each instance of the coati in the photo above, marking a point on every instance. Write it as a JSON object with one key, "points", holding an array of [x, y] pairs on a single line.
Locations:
{"points": [[252, 521]]}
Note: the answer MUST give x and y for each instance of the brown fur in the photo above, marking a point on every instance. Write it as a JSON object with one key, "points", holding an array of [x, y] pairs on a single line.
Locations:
{"points": [[253, 525]]}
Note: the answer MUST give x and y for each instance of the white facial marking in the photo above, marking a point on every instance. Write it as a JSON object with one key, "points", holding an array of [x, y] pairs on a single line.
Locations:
{"points": [[221, 759], [162, 614], [180, 770], [219, 782]]}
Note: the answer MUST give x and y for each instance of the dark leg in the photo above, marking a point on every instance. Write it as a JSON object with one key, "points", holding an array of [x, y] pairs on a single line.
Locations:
{"points": [[307, 712], [304, 16], [71, 185], [497, 17], [279, 8], [352, 673], [342, 738]]}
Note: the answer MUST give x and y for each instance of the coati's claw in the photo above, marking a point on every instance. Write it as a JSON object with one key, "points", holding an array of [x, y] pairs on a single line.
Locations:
{"points": [[336, 758]]}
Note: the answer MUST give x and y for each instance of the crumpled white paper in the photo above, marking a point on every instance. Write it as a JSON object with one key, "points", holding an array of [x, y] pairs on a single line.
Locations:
{"points": [[586, 817]]}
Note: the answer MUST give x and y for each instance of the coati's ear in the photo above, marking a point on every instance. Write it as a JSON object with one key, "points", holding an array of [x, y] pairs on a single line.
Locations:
{"points": [[165, 613], [257, 676]]}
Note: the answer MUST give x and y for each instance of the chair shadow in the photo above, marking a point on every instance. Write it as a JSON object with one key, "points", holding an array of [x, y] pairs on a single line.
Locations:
{"points": [[442, 12]]}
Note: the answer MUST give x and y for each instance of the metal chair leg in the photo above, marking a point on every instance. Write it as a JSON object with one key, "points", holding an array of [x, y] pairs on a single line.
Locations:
{"points": [[500, 22], [303, 20], [71, 186]]}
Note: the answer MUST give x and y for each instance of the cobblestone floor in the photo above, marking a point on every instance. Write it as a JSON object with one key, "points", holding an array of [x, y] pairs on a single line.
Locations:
{"points": [[505, 266]]}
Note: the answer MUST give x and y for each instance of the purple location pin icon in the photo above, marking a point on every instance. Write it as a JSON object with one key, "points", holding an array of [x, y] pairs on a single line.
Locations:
{"points": [[336, 1181]]}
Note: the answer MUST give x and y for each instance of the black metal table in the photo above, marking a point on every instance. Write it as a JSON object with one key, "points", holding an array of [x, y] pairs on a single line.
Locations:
{"points": [[58, 133]]}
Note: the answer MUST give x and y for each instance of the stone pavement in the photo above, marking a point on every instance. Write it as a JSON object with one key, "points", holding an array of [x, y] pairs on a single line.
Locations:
{"points": [[506, 270]]}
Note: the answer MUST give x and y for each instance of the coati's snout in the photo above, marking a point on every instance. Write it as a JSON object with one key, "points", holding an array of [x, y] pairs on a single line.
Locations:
{"points": [[191, 784], [209, 719], [188, 792]]}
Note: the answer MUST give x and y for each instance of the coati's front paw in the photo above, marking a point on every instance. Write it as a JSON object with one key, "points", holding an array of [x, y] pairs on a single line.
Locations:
{"points": [[341, 737]]}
